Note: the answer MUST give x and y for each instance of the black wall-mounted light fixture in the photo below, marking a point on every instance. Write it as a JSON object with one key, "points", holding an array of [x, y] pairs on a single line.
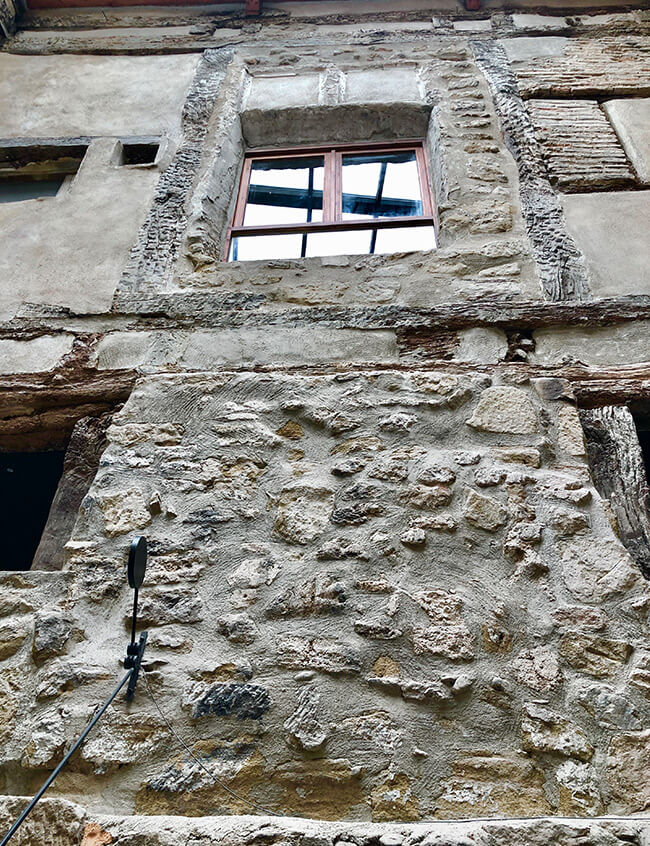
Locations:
{"points": [[136, 569]]}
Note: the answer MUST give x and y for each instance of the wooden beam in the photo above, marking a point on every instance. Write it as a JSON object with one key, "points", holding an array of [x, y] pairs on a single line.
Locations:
{"points": [[618, 471]]}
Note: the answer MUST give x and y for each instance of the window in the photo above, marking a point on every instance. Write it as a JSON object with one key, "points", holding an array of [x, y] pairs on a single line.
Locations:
{"points": [[139, 152], [331, 201], [29, 171]]}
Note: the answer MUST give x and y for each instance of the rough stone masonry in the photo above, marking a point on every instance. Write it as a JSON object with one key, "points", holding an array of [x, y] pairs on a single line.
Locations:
{"points": [[396, 505]]}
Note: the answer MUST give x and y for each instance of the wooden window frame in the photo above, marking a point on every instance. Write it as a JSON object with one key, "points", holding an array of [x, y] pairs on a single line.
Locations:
{"points": [[332, 191]]}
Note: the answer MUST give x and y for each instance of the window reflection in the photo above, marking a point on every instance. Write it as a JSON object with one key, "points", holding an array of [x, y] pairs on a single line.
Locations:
{"points": [[285, 191], [380, 185], [16, 189], [402, 239]]}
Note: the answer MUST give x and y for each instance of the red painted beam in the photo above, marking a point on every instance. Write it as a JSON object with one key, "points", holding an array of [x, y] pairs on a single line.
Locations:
{"points": [[253, 7]]}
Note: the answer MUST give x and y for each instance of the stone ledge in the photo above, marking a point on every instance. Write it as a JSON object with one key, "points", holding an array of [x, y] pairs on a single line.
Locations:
{"points": [[244, 830], [53, 822]]}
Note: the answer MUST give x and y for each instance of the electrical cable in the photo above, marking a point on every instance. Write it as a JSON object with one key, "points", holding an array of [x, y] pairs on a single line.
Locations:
{"points": [[199, 761]]}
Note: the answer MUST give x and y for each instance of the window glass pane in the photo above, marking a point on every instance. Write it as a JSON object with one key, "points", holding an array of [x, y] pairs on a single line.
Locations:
{"points": [[285, 191], [405, 239], [256, 247], [17, 188], [338, 243], [401, 240], [381, 185]]}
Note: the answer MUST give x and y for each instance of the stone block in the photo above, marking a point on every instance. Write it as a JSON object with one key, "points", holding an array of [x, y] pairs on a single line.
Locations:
{"points": [[599, 657], [538, 669], [273, 92], [628, 763], [56, 822], [124, 511], [631, 120], [505, 410], [376, 85], [596, 569], [625, 343], [242, 701], [612, 230], [34, 356], [13, 633], [482, 511], [570, 437], [305, 727], [487, 785], [52, 630], [325, 655], [546, 731]]}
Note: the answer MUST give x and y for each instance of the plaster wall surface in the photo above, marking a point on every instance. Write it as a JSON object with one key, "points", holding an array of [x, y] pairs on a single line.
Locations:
{"points": [[69, 250], [56, 96], [613, 232]]}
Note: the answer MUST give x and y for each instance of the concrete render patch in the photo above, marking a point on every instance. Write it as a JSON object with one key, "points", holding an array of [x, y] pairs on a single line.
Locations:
{"points": [[124, 350], [481, 344], [524, 49], [288, 346], [612, 230], [113, 95], [244, 347], [473, 26], [631, 122], [34, 356], [540, 22], [623, 344]]}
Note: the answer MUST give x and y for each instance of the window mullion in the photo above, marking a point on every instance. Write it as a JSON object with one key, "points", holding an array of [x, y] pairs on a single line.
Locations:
{"points": [[329, 188], [240, 207]]}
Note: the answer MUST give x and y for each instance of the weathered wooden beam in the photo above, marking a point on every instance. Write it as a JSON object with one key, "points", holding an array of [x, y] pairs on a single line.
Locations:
{"points": [[619, 474]]}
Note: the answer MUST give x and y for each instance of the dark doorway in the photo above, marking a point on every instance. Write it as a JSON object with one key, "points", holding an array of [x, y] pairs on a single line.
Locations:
{"points": [[644, 441], [28, 483]]}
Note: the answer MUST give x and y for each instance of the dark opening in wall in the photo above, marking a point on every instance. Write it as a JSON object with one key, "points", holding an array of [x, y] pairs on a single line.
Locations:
{"points": [[43, 417], [28, 482], [42, 491], [30, 169], [642, 423], [139, 152]]}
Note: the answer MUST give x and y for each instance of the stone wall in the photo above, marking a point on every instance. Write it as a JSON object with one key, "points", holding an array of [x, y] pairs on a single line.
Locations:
{"points": [[382, 585], [426, 612]]}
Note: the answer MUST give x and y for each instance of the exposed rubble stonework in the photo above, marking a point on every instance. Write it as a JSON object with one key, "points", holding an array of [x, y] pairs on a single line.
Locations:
{"points": [[396, 505]]}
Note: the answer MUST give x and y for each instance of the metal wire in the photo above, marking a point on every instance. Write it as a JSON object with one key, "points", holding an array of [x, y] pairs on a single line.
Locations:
{"points": [[214, 778]]}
